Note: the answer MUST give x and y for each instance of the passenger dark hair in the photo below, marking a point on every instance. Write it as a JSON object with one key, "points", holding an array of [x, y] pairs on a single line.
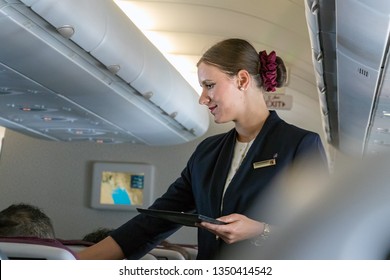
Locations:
{"points": [[25, 220], [233, 55], [97, 235]]}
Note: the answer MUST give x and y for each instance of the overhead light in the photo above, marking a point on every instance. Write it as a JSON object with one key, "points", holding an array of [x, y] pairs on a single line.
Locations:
{"points": [[66, 31], [137, 15], [386, 113], [114, 68]]}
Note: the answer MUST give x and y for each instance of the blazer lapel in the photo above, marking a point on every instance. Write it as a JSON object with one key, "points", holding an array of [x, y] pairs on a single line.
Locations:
{"points": [[247, 166], [220, 173]]}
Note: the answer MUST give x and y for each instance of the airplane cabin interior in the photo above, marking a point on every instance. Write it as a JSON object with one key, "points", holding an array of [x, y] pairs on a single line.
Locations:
{"points": [[114, 82]]}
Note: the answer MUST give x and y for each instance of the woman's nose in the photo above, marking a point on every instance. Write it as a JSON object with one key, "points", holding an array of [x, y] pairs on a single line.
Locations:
{"points": [[204, 99]]}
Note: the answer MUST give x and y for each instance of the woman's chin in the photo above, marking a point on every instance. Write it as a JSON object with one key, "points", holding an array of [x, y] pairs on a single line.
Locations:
{"points": [[219, 120]]}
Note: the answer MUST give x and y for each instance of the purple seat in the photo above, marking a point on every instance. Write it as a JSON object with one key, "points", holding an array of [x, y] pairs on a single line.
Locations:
{"points": [[34, 248], [75, 245]]}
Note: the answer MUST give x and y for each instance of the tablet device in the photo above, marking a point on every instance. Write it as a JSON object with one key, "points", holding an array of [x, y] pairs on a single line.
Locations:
{"points": [[187, 219]]}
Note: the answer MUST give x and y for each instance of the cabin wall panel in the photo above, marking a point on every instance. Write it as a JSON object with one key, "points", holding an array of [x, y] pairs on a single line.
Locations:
{"points": [[57, 177]]}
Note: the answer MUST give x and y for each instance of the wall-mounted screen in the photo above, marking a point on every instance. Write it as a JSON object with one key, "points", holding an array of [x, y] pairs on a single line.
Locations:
{"points": [[122, 186]]}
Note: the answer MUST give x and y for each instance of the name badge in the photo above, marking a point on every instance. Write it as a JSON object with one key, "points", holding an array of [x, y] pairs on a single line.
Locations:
{"points": [[264, 163]]}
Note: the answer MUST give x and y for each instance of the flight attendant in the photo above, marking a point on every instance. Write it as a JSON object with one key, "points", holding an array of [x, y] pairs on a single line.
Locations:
{"points": [[227, 173]]}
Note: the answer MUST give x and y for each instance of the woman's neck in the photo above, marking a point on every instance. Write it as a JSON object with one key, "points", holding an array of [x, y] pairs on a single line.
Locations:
{"points": [[247, 131]]}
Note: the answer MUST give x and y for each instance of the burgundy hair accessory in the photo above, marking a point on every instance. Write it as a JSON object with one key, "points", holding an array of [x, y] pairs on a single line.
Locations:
{"points": [[268, 67]]}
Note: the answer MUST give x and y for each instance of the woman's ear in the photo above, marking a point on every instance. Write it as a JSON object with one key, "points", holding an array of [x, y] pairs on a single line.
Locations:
{"points": [[243, 79]]}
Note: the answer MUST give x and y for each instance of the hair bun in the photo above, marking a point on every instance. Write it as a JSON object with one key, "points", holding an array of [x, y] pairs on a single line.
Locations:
{"points": [[272, 71]]}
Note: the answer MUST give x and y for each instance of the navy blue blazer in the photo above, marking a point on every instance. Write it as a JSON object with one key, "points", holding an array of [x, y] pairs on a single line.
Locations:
{"points": [[200, 186]]}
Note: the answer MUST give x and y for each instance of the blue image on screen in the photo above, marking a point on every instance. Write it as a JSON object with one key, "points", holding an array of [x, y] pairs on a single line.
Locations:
{"points": [[120, 196]]}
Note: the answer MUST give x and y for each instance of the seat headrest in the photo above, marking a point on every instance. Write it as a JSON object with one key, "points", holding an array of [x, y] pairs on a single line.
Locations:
{"points": [[35, 248]]}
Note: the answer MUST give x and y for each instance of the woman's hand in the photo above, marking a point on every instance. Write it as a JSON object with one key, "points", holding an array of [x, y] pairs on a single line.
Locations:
{"points": [[238, 227]]}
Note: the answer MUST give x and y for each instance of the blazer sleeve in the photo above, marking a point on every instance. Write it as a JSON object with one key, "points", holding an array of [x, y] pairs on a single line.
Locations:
{"points": [[142, 233], [310, 149]]}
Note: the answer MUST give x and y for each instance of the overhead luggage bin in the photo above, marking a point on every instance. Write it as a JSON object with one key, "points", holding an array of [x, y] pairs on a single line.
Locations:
{"points": [[101, 81]]}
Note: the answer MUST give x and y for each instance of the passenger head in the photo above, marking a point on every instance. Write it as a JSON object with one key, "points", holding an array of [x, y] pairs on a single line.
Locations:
{"points": [[97, 235], [25, 220], [233, 55]]}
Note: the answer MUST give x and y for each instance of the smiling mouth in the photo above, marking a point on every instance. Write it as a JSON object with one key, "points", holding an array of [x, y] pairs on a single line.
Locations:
{"points": [[212, 108]]}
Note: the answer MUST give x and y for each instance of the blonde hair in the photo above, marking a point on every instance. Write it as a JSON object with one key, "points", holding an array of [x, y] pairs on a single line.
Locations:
{"points": [[233, 55]]}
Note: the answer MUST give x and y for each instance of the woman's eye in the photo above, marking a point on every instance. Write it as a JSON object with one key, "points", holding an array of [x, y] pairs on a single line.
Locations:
{"points": [[209, 86]]}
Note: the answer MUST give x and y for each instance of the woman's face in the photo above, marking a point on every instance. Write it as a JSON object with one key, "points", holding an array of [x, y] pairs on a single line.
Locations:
{"points": [[220, 93]]}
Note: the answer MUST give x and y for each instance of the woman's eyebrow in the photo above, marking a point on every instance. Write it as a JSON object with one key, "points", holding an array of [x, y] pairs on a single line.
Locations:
{"points": [[206, 81]]}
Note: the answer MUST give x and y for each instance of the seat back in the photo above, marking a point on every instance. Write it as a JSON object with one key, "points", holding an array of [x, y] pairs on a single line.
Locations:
{"points": [[166, 254], [75, 245], [33, 248], [192, 250], [188, 251], [148, 256], [3, 256]]}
